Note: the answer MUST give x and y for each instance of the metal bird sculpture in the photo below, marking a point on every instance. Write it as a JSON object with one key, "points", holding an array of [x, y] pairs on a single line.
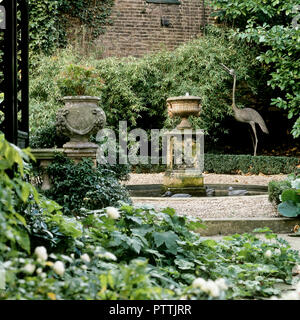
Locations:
{"points": [[246, 115]]}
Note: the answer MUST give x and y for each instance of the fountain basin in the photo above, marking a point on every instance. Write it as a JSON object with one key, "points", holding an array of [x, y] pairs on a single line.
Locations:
{"points": [[221, 190]]}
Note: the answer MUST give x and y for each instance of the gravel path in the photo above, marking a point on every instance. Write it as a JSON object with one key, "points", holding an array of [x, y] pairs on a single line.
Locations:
{"points": [[217, 207], [209, 178]]}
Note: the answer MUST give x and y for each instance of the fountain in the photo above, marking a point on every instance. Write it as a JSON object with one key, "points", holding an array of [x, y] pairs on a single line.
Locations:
{"points": [[185, 148]]}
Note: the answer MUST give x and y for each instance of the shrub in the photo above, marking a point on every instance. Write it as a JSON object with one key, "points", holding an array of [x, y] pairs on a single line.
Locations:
{"points": [[228, 164], [26, 217], [136, 89], [290, 197], [47, 137], [235, 164], [77, 80], [76, 186], [275, 189]]}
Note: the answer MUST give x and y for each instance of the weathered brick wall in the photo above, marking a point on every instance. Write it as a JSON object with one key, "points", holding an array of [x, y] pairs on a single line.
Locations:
{"points": [[137, 26]]}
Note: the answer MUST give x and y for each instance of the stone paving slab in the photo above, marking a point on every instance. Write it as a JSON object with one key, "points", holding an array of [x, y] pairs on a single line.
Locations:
{"points": [[242, 225]]}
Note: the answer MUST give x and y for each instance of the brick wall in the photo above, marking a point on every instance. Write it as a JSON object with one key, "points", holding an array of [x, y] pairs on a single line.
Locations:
{"points": [[137, 26]]}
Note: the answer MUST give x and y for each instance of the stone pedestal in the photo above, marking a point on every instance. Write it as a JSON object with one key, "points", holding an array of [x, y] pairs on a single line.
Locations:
{"points": [[44, 158], [77, 151], [185, 160]]}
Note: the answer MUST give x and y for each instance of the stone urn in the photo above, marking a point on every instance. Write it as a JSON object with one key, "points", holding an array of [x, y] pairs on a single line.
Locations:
{"points": [[184, 106], [80, 118]]}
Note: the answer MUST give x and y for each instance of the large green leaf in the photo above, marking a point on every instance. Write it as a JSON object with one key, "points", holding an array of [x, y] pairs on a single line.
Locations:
{"points": [[289, 209], [290, 194], [168, 238]]}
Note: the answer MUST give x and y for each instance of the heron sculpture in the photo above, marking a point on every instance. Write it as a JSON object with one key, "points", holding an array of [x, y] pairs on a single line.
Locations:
{"points": [[246, 115]]}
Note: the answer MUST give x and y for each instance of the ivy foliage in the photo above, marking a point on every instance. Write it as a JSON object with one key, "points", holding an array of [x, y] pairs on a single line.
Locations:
{"points": [[273, 27], [51, 19]]}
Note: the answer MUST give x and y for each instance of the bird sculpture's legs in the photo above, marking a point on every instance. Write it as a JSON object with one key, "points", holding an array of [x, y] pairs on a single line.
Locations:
{"points": [[252, 137], [256, 140]]}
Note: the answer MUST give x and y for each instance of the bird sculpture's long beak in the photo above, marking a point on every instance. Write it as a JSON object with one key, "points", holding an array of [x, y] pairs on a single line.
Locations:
{"points": [[227, 69]]}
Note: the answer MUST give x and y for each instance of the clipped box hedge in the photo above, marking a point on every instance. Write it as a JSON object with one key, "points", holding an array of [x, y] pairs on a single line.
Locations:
{"points": [[230, 164], [236, 164]]}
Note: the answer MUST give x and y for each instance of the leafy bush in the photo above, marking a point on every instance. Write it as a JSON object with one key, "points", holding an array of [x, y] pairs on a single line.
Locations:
{"points": [[138, 253], [228, 164], [136, 89], [47, 137], [24, 213], [270, 26], [275, 189], [80, 185], [78, 80], [290, 198]]}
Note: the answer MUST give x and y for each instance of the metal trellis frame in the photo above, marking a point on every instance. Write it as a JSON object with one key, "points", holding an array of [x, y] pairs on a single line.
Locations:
{"points": [[14, 83]]}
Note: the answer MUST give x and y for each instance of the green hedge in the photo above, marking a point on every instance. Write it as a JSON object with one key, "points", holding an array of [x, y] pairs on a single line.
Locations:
{"points": [[230, 164], [233, 164]]}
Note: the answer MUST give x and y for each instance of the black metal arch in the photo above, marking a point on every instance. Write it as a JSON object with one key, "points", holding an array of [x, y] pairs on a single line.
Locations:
{"points": [[14, 116]]}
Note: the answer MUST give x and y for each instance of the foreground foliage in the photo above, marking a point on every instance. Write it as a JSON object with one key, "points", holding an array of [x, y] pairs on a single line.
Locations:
{"points": [[126, 252], [142, 254]]}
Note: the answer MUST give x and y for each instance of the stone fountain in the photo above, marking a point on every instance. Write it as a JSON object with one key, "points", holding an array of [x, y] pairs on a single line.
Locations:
{"points": [[185, 148]]}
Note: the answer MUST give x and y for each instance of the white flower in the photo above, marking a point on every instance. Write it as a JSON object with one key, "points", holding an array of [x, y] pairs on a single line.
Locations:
{"points": [[212, 289], [268, 254], [39, 270], [41, 253], [43, 275], [85, 257], [199, 283], [59, 268], [221, 283], [84, 267], [110, 256], [7, 264], [113, 213], [277, 251], [29, 268]]}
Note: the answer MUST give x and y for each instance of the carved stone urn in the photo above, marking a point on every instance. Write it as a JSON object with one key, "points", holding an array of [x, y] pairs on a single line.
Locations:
{"points": [[80, 118], [184, 106]]}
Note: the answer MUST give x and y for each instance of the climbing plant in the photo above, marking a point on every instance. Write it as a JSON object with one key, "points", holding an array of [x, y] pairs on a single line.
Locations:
{"points": [[51, 19]]}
